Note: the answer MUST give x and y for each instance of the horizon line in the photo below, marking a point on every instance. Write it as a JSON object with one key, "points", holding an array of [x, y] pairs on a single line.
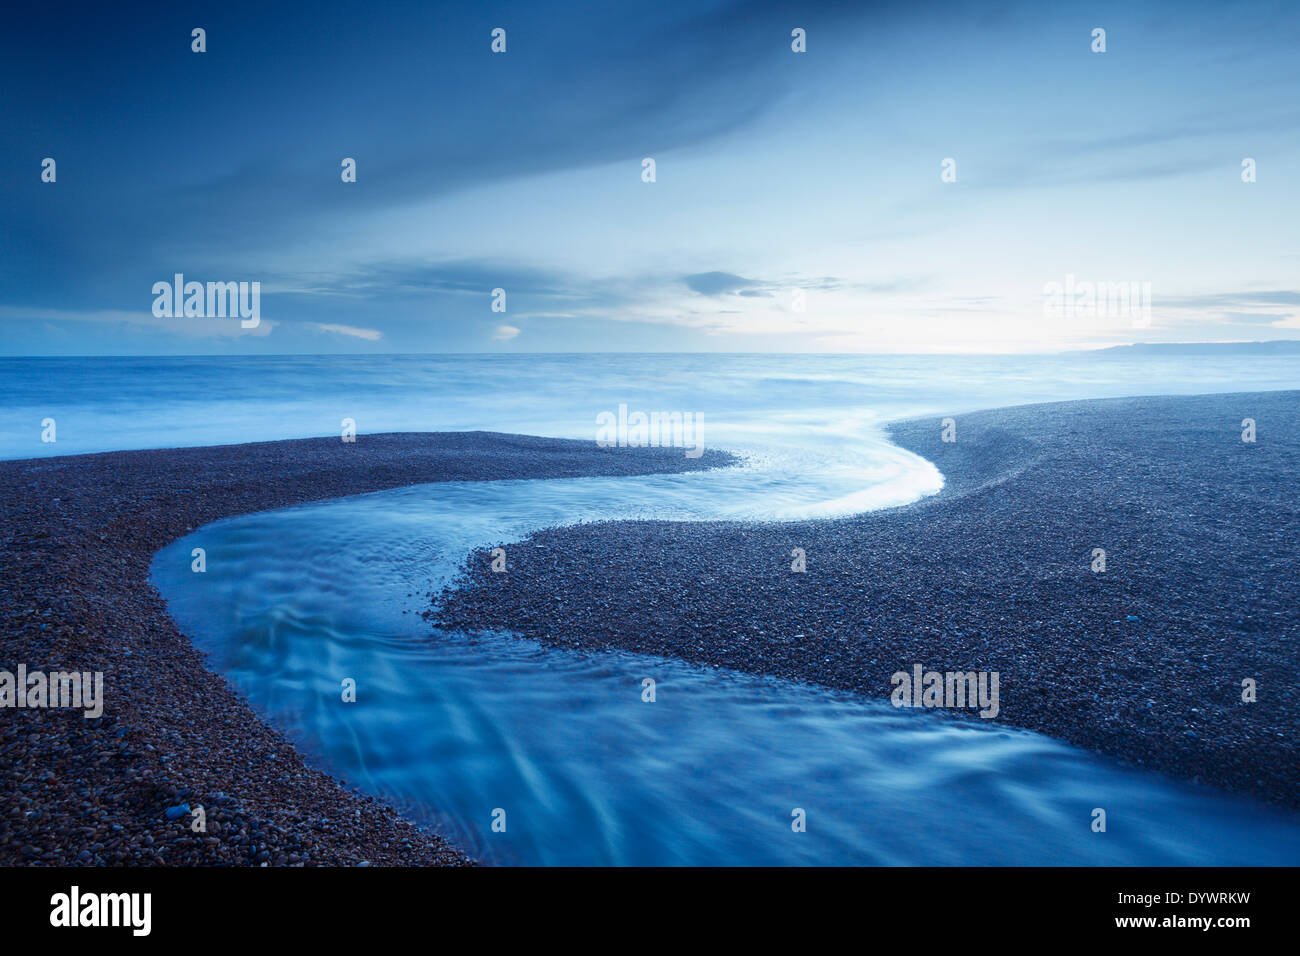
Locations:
{"points": [[1101, 348]]}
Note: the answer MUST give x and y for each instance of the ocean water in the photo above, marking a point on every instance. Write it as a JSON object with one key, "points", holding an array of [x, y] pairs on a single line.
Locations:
{"points": [[808, 426], [452, 728]]}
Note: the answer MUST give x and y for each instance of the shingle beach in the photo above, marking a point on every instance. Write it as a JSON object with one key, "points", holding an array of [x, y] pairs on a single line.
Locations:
{"points": [[1144, 661], [78, 537]]}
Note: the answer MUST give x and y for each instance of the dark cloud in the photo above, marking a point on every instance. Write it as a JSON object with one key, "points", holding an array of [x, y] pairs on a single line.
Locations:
{"points": [[170, 159], [422, 279], [717, 283]]}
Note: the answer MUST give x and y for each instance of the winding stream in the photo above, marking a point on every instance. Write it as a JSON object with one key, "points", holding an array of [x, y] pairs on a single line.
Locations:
{"points": [[295, 601], [453, 729]]}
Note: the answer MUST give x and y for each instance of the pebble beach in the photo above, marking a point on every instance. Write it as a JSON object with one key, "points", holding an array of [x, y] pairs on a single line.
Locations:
{"points": [[79, 533], [1143, 661]]}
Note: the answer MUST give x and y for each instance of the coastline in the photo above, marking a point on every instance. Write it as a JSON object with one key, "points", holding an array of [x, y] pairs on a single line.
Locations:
{"points": [[1143, 662], [990, 573], [79, 535]]}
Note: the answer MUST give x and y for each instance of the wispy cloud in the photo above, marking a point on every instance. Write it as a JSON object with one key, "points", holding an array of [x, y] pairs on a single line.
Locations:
{"points": [[370, 335], [144, 319]]}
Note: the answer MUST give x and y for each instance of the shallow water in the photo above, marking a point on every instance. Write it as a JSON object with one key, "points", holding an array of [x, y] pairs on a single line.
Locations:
{"points": [[453, 729]]}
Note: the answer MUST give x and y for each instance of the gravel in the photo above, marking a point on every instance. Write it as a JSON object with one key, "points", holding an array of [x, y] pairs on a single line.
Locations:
{"points": [[78, 535], [1143, 662]]}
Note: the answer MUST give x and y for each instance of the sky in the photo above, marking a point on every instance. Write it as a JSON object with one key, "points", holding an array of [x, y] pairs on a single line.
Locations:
{"points": [[923, 177]]}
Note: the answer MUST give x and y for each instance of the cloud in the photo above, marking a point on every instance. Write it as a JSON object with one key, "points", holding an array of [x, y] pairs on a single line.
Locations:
{"points": [[1230, 299], [649, 79], [725, 283], [144, 319], [717, 283], [370, 335], [1254, 307], [388, 280], [1256, 318], [504, 333]]}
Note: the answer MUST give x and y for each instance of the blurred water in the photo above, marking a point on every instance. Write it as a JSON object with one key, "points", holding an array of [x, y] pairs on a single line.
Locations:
{"points": [[450, 729], [808, 425], [103, 404]]}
